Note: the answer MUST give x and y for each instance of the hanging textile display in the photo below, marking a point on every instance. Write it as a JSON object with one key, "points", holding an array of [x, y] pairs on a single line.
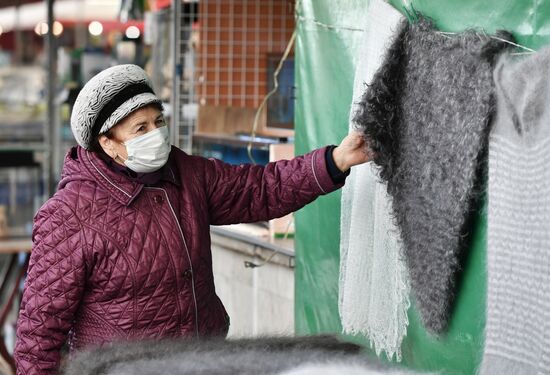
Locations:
{"points": [[374, 288], [426, 117], [517, 337]]}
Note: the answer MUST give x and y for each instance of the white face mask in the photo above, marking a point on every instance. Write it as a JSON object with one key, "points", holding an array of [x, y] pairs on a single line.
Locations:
{"points": [[148, 152]]}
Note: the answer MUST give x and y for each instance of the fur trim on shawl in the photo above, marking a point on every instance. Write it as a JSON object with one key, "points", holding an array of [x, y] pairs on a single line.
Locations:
{"points": [[426, 117]]}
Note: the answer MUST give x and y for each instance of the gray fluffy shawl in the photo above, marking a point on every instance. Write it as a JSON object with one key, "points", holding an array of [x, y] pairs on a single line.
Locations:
{"points": [[216, 356], [426, 117]]}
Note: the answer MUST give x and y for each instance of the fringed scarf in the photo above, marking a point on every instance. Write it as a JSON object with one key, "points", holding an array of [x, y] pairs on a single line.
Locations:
{"points": [[374, 285]]}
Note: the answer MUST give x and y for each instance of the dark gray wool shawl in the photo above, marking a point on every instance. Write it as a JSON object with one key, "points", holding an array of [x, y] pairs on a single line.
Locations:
{"points": [[426, 117], [215, 356]]}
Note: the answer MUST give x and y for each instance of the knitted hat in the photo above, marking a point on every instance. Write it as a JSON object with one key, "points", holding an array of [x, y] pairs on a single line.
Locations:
{"points": [[108, 98]]}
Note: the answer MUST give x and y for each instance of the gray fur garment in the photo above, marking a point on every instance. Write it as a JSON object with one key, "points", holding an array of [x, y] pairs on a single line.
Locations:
{"points": [[216, 356], [426, 117]]}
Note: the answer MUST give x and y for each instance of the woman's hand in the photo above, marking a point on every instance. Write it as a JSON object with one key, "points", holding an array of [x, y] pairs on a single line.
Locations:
{"points": [[353, 150]]}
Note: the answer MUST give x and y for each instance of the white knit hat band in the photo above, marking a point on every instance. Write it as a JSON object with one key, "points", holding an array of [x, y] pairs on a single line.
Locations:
{"points": [[129, 106]]}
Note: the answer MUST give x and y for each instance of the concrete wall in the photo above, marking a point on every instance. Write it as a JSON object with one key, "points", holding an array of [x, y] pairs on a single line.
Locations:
{"points": [[259, 301]]}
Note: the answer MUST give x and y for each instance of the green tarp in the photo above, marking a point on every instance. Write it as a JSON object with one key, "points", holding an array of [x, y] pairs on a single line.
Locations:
{"points": [[328, 37]]}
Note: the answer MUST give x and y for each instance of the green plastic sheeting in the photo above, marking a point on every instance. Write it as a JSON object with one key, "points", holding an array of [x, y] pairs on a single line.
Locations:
{"points": [[328, 37]]}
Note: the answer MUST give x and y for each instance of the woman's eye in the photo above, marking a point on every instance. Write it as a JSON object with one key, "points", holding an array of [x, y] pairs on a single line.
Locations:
{"points": [[160, 122], [141, 128]]}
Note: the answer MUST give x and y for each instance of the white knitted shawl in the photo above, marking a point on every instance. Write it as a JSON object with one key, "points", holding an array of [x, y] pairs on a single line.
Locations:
{"points": [[374, 285], [518, 297]]}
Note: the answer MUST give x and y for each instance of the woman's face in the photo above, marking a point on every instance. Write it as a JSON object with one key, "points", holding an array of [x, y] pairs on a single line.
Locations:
{"points": [[135, 124]]}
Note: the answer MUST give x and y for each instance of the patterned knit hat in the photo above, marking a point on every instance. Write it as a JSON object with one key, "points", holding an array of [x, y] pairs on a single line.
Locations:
{"points": [[108, 98]]}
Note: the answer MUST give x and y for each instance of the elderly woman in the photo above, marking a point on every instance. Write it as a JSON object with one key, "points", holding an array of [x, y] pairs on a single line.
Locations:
{"points": [[122, 250]]}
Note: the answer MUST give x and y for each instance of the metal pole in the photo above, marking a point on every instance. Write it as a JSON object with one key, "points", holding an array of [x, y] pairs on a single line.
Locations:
{"points": [[176, 72], [18, 37], [49, 128]]}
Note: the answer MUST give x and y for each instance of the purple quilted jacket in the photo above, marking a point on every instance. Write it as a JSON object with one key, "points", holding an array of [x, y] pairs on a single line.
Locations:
{"points": [[116, 260]]}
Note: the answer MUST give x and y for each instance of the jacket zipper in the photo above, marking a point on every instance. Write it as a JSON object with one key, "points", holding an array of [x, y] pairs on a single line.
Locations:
{"points": [[188, 257]]}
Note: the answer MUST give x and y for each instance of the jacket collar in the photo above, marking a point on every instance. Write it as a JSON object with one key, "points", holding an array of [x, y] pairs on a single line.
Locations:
{"points": [[119, 185], [166, 173]]}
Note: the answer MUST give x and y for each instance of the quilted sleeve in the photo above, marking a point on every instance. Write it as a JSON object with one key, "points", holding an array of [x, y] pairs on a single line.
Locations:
{"points": [[53, 289], [250, 193]]}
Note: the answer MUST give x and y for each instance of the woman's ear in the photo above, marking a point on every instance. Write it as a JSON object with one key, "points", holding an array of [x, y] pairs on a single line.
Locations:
{"points": [[107, 145]]}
